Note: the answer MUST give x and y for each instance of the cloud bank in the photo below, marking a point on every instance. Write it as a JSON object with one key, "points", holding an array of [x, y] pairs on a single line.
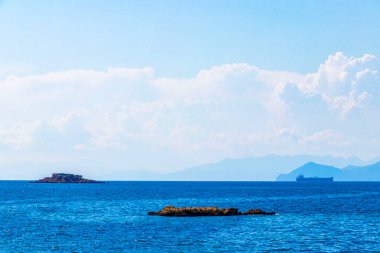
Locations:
{"points": [[128, 118]]}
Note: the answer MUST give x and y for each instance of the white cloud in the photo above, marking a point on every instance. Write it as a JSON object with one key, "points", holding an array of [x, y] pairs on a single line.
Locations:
{"points": [[345, 82], [19, 135], [228, 110]]}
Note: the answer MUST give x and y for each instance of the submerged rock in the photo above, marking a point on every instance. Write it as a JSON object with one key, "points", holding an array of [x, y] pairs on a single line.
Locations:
{"points": [[205, 211], [65, 178]]}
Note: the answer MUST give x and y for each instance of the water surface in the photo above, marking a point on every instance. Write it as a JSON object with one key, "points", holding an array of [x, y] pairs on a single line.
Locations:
{"points": [[343, 216]]}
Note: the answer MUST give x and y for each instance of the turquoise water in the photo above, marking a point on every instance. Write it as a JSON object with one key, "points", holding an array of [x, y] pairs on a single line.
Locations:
{"points": [[113, 217]]}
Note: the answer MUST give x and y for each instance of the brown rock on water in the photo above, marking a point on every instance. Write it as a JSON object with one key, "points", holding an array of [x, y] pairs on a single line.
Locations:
{"points": [[205, 211], [65, 178]]}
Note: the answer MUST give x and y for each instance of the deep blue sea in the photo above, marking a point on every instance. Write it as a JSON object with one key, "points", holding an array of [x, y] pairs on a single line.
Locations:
{"points": [[112, 217]]}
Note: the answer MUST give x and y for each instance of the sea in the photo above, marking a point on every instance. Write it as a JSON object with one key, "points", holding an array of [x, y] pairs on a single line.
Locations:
{"points": [[112, 217]]}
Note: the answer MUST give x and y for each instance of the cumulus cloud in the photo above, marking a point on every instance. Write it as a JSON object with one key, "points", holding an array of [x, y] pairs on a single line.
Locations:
{"points": [[345, 82], [228, 110]]}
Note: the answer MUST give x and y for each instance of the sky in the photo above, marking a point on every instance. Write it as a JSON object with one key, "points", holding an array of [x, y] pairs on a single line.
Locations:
{"points": [[98, 87]]}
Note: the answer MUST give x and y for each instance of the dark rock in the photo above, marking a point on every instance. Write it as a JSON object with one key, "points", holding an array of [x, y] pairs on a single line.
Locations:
{"points": [[65, 178], [205, 211]]}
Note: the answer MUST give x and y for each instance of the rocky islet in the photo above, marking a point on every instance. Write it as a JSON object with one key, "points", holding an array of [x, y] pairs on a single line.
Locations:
{"points": [[206, 211], [65, 178]]}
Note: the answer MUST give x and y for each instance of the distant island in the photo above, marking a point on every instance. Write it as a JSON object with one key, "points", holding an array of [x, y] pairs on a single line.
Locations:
{"points": [[349, 173], [66, 178]]}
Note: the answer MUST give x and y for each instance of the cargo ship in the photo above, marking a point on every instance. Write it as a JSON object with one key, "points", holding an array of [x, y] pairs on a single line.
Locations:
{"points": [[303, 179]]}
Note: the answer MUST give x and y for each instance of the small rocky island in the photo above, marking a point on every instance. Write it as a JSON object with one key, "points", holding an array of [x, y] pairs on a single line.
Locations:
{"points": [[205, 211], [65, 178]]}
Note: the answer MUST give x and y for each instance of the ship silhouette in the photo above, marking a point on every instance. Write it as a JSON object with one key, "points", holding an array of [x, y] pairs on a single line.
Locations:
{"points": [[303, 179]]}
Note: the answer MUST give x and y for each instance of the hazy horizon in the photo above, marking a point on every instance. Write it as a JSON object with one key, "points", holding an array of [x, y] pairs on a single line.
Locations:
{"points": [[253, 168]]}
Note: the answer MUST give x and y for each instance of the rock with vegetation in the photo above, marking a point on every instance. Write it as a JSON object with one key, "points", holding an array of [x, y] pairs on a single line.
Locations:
{"points": [[65, 178], [205, 211]]}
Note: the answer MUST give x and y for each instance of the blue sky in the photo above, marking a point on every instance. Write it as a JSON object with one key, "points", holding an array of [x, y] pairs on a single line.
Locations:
{"points": [[106, 86], [178, 38]]}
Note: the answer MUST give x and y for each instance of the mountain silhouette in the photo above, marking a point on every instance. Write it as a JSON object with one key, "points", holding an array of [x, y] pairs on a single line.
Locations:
{"points": [[350, 173], [264, 168]]}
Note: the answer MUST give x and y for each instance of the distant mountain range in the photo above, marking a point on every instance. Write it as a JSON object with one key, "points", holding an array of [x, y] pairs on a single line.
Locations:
{"points": [[265, 168], [350, 173]]}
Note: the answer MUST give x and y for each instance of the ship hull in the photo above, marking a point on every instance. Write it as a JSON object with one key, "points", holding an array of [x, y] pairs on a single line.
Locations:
{"points": [[303, 179]]}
